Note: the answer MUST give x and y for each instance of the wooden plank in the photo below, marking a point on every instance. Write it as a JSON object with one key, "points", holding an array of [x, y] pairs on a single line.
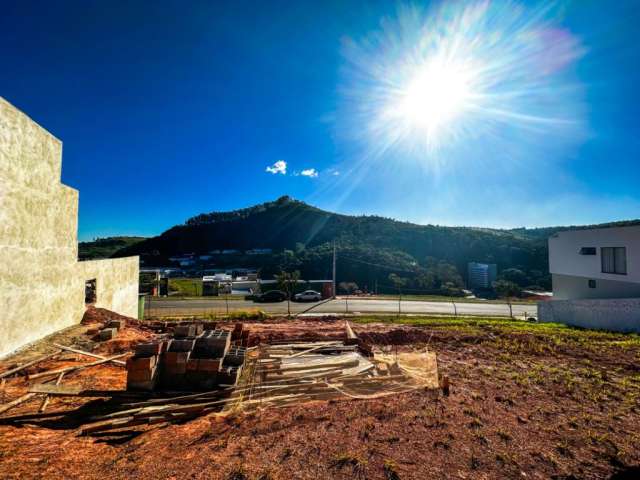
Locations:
{"points": [[75, 367], [75, 391], [29, 364], [56, 389], [16, 402], [349, 331], [304, 352], [345, 364], [88, 354], [45, 400]]}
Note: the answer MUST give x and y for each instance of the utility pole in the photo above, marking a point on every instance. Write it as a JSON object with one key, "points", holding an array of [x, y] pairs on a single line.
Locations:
{"points": [[334, 269]]}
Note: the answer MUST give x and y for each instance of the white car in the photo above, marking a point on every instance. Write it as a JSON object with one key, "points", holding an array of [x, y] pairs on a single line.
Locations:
{"points": [[308, 296]]}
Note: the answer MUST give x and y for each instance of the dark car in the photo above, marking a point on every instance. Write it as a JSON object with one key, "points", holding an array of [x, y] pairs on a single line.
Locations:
{"points": [[271, 296]]}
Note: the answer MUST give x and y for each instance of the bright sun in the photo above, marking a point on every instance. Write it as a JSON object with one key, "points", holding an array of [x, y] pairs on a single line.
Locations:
{"points": [[434, 96]]}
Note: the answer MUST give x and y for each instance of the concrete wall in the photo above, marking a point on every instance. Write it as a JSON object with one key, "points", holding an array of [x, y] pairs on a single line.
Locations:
{"points": [[566, 287], [41, 281], [622, 315]]}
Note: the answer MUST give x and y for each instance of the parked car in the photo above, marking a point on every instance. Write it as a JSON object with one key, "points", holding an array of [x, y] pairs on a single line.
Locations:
{"points": [[308, 296], [271, 296]]}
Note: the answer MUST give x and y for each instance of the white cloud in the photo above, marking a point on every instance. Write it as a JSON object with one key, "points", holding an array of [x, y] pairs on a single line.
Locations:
{"points": [[309, 172], [279, 167]]}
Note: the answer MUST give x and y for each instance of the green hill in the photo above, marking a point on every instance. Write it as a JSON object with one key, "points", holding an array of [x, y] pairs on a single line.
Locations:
{"points": [[372, 250], [105, 247]]}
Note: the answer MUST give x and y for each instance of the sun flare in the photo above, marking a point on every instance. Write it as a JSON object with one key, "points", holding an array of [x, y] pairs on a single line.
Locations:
{"points": [[435, 83], [434, 96]]}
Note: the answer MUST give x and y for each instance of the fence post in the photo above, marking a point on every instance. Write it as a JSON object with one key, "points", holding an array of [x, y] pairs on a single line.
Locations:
{"points": [[455, 309]]}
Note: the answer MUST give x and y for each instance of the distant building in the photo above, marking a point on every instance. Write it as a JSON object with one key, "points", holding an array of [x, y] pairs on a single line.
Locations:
{"points": [[259, 251], [230, 251], [596, 278], [481, 275]]}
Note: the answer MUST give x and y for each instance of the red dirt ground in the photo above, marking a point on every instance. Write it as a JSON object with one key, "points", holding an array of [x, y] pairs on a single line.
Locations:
{"points": [[525, 403]]}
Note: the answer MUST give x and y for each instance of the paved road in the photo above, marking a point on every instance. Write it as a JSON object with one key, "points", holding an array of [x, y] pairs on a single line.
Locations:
{"points": [[338, 306]]}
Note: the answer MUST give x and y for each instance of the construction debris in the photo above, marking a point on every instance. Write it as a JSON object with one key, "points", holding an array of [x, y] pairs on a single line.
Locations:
{"points": [[74, 367], [108, 334], [233, 377], [29, 364], [88, 354]]}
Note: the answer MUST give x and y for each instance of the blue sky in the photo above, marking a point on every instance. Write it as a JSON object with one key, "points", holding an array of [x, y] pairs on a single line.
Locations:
{"points": [[170, 109]]}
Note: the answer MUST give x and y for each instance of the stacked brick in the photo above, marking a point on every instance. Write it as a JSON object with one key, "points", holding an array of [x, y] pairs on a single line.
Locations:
{"points": [[111, 329], [195, 359]]}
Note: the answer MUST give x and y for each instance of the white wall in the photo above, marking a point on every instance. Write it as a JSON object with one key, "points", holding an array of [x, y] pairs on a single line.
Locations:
{"points": [[567, 287], [565, 258]]}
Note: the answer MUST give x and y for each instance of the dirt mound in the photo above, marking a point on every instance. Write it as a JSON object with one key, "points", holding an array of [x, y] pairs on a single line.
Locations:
{"points": [[397, 336], [102, 315]]}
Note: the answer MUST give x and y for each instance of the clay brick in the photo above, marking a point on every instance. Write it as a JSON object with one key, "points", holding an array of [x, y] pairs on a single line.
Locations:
{"points": [[236, 334], [119, 324], [235, 357], [175, 368], [140, 375], [176, 358], [141, 363], [108, 333], [142, 379], [212, 344], [208, 365], [182, 345], [229, 376], [184, 331], [192, 365], [144, 349]]}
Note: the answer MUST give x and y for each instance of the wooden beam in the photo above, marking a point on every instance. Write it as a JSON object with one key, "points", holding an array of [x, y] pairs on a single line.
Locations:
{"points": [[16, 402], [88, 354], [349, 331], [75, 367], [28, 364], [45, 400]]}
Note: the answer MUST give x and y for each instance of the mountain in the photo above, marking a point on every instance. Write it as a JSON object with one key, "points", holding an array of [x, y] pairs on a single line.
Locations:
{"points": [[371, 249], [105, 247]]}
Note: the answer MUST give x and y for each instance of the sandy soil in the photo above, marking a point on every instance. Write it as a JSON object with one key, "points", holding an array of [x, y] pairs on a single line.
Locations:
{"points": [[526, 401]]}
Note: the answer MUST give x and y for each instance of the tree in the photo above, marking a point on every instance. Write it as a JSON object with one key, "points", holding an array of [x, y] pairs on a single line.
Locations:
{"points": [[348, 287], [286, 282], [507, 290], [398, 282], [515, 275]]}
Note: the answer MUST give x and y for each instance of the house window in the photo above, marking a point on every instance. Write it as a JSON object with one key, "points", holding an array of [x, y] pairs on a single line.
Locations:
{"points": [[614, 260], [588, 251], [592, 284], [90, 295]]}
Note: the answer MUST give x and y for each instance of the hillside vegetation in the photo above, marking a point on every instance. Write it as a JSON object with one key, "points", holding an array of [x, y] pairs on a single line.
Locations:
{"points": [[105, 247], [371, 249]]}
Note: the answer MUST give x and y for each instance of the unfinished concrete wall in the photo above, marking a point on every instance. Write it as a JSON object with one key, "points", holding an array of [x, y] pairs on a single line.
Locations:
{"points": [[620, 314], [116, 283], [41, 281]]}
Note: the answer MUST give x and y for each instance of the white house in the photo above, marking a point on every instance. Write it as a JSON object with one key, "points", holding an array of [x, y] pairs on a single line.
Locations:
{"points": [[595, 263], [596, 278]]}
